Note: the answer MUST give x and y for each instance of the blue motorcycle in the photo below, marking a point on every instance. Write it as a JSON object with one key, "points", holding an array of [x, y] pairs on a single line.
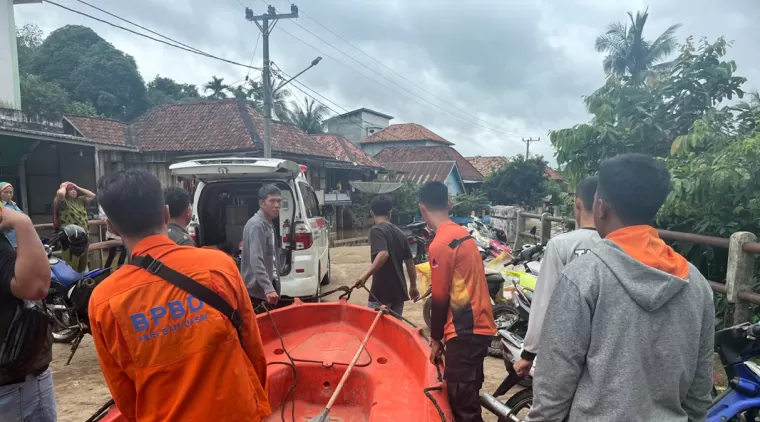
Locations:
{"points": [[741, 400], [69, 295]]}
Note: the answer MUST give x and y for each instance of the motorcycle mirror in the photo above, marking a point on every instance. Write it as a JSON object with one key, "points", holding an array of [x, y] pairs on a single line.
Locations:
{"points": [[533, 230]]}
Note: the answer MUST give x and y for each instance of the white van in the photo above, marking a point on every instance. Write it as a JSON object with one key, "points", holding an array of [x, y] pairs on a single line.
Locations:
{"points": [[226, 196]]}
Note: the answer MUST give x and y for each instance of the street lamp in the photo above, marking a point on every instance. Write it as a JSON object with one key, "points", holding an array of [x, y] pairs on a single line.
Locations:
{"points": [[313, 63], [268, 94]]}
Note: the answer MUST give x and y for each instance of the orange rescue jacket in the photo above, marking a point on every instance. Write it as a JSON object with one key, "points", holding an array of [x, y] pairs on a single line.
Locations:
{"points": [[167, 356]]}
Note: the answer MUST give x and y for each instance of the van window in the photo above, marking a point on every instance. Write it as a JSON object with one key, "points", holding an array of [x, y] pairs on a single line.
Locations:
{"points": [[309, 200]]}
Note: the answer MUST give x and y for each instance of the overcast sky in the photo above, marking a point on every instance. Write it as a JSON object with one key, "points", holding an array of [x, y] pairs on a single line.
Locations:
{"points": [[483, 74]]}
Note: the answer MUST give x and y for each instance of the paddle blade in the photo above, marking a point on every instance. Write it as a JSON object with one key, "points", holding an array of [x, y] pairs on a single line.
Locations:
{"points": [[323, 416]]}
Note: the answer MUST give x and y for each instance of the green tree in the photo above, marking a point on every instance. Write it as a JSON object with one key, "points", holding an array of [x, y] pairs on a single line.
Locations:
{"points": [[166, 90], [92, 71], [28, 41], [61, 53], [521, 182], [80, 109], [40, 100], [465, 203], [217, 87], [649, 118], [629, 55], [108, 79], [310, 118], [279, 99]]}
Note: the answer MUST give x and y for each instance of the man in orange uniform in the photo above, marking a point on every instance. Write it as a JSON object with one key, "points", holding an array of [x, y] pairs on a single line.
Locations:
{"points": [[462, 315], [166, 355]]}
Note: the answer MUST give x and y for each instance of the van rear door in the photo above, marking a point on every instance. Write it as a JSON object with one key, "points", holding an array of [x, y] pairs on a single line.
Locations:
{"points": [[234, 168]]}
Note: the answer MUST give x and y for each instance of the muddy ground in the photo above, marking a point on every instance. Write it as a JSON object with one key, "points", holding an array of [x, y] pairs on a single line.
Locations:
{"points": [[80, 389]]}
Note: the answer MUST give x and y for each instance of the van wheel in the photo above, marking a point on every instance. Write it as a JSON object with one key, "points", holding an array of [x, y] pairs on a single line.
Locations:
{"points": [[326, 279]]}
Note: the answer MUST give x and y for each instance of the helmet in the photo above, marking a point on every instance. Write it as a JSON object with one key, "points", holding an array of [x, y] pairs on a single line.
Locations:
{"points": [[74, 239]]}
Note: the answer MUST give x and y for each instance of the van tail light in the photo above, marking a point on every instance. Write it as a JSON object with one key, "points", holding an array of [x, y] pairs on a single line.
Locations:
{"points": [[304, 239]]}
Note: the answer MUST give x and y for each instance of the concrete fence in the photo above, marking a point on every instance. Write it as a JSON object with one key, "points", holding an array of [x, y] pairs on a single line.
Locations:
{"points": [[742, 249]]}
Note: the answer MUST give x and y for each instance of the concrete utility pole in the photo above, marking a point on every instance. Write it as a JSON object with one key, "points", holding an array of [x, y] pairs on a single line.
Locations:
{"points": [[268, 22], [527, 145]]}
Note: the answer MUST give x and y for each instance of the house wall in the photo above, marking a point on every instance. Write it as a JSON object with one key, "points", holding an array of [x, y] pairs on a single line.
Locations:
{"points": [[49, 165], [454, 183], [355, 127], [155, 163]]}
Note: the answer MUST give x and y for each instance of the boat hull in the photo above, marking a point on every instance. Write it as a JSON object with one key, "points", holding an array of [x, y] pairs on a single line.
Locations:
{"points": [[388, 382]]}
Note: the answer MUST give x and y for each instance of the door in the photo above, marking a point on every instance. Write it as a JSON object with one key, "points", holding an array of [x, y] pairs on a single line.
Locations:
{"points": [[318, 225], [220, 169]]}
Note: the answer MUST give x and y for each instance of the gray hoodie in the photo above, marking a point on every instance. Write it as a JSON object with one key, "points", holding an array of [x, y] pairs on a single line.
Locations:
{"points": [[623, 341]]}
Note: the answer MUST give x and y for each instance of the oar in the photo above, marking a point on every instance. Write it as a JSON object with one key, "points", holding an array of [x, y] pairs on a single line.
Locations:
{"points": [[324, 416]]}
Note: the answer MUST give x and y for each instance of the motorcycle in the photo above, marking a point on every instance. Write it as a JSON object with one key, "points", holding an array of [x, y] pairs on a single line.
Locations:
{"points": [[504, 315], [418, 240], [69, 293], [516, 407], [737, 347]]}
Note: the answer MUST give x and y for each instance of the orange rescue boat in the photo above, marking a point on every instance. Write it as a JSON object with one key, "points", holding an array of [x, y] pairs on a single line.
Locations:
{"points": [[391, 381]]}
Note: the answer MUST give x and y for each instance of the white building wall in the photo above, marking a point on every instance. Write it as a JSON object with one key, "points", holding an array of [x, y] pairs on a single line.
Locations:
{"points": [[10, 96]]}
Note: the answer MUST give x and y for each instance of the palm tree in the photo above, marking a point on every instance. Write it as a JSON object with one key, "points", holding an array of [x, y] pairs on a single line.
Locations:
{"points": [[629, 55], [279, 99], [217, 87], [309, 119]]}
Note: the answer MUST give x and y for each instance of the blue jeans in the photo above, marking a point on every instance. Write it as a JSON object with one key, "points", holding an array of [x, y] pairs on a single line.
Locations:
{"points": [[30, 401], [397, 307]]}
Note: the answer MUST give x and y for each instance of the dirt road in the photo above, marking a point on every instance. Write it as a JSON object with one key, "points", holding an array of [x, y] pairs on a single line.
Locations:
{"points": [[80, 389]]}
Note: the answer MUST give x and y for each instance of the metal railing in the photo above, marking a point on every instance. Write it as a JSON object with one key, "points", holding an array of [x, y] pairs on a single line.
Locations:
{"points": [[742, 248]]}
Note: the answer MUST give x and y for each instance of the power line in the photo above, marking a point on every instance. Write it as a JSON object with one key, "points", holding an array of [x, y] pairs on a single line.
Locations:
{"points": [[296, 83], [191, 50], [253, 56], [393, 82], [137, 25], [464, 120]]}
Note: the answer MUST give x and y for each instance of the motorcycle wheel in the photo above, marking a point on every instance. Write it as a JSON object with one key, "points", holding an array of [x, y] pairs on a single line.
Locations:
{"points": [[63, 334], [427, 311], [520, 404], [504, 316]]}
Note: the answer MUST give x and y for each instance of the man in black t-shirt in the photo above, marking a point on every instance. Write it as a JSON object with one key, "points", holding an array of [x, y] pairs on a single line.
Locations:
{"points": [[390, 251], [24, 275]]}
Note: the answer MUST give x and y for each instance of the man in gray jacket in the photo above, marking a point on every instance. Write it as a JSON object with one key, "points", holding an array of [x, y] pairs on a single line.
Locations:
{"points": [[260, 265], [628, 334], [559, 252]]}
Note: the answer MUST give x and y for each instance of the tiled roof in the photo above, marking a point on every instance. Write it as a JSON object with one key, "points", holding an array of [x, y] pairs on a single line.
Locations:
{"points": [[200, 126], [342, 149], [287, 138], [404, 132], [209, 125], [553, 174], [99, 129], [442, 153], [422, 171], [487, 165]]}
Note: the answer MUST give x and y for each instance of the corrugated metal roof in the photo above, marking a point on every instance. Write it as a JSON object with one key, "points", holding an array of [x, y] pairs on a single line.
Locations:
{"points": [[421, 172], [436, 153]]}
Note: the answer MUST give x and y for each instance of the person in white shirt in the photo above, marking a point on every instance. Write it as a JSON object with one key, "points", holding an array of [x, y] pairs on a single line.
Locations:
{"points": [[559, 252]]}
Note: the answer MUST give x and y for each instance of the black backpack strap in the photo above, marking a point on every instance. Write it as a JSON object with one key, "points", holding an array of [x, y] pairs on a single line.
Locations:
{"points": [[192, 287], [456, 242]]}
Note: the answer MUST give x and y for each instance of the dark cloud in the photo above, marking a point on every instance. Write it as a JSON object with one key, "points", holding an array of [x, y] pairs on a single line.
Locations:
{"points": [[500, 70]]}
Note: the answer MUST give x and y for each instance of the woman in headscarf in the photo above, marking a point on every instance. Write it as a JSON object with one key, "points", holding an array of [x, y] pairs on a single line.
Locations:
{"points": [[70, 207], [6, 198]]}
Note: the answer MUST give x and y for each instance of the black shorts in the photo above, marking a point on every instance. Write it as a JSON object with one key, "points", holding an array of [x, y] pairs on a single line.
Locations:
{"points": [[464, 358]]}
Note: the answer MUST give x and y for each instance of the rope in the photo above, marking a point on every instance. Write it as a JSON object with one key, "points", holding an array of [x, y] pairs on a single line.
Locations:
{"points": [[347, 295]]}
